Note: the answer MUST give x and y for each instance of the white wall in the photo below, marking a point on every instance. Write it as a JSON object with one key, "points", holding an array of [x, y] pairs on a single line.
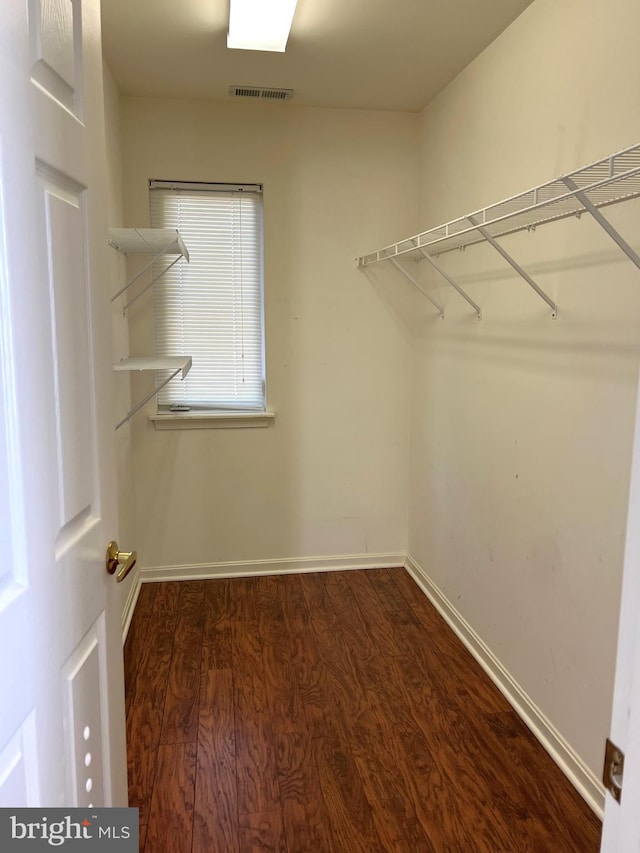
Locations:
{"points": [[121, 390], [330, 476], [522, 425]]}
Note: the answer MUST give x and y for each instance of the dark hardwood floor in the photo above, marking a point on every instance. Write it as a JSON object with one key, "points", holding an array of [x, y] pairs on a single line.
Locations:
{"points": [[328, 713]]}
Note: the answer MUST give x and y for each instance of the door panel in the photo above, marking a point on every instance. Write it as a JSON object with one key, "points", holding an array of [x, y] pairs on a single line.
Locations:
{"points": [[16, 712], [12, 567], [65, 231], [19, 767], [56, 57], [84, 674], [61, 702]]}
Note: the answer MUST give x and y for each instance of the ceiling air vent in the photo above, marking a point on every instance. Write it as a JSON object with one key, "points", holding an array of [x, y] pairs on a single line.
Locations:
{"points": [[261, 92]]}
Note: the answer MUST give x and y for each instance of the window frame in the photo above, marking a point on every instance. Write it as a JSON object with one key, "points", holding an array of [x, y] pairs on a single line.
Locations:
{"points": [[198, 417]]}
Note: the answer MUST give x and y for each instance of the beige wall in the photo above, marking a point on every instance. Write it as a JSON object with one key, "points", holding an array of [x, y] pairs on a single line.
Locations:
{"points": [[522, 425], [330, 476]]}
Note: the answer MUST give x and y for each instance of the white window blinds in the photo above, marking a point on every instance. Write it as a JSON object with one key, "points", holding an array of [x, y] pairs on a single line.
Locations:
{"points": [[211, 308]]}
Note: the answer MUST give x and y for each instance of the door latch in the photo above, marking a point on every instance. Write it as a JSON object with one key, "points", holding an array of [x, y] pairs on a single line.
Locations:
{"points": [[613, 769]]}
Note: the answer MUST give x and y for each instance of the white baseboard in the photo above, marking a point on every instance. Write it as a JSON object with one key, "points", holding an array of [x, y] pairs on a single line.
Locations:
{"points": [[130, 604], [581, 777], [246, 568]]}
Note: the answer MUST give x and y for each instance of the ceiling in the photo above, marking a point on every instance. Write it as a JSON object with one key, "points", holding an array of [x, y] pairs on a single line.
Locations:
{"points": [[361, 54]]}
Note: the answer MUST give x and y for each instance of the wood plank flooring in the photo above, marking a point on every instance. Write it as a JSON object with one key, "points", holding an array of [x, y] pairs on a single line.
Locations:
{"points": [[328, 713]]}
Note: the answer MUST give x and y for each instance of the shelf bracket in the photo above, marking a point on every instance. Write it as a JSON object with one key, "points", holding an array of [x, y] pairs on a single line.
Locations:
{"points": [[157, 242], [604, 223], [175, 364], [150, 284], [516, 266], [146, 399], [142, 272], [448, 278], [417, 286]]}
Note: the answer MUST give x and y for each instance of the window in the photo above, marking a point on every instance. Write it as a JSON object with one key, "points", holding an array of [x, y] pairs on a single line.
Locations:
{"points": [[212, 307]]}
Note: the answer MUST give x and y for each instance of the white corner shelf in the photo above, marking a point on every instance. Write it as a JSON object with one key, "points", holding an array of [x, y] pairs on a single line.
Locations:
{"points": [[175, 364], [179, 363], [156, 242], [608, 181], [147, 241]]}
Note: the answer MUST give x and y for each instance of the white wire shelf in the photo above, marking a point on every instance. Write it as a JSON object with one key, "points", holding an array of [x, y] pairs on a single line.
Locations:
{"points": [[180, 363], [606, 182], [147, 241], [174, 364], [156, 242]]}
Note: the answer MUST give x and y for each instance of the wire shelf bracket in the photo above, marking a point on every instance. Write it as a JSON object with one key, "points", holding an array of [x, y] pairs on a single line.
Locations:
{"points": [[516, 266], [604, 223], [146, 241], [455, 286], [418, 286], [608, 181], [176, 364]]}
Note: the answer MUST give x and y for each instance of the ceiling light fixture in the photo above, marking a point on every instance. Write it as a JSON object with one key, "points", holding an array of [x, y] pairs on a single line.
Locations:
{"points": [[260, 24]]}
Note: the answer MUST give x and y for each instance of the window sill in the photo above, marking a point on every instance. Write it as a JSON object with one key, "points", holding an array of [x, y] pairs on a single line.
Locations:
{"points": [[208, 420]]}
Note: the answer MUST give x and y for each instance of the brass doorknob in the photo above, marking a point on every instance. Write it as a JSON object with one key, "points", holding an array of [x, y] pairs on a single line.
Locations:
{"points": [[125, 559]]}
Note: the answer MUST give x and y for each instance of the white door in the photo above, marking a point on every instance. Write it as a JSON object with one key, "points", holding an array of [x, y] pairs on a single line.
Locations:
{"points": [[61, 686], [621, 830]]}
